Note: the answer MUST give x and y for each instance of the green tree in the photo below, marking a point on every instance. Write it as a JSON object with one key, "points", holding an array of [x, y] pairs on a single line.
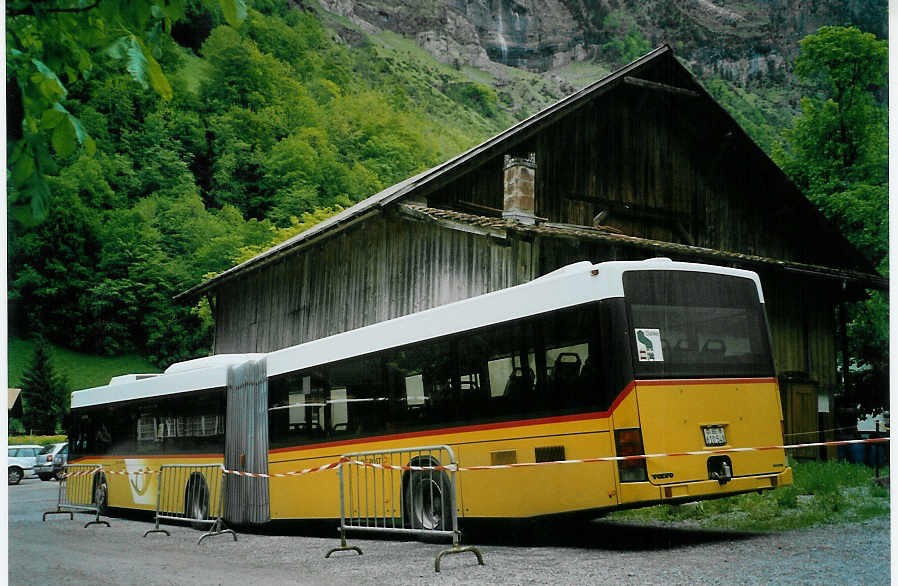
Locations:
{"points": [[49, 41], [837, 153], [625, 41], [841, 137], [44, 393]]}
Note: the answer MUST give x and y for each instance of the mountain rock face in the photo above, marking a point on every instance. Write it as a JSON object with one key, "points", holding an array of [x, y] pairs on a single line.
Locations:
{"points": [[532, 34], [740, 40]]}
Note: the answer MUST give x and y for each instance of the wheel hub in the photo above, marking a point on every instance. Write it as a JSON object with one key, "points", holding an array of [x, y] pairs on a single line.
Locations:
{"points": [[429, 504]]}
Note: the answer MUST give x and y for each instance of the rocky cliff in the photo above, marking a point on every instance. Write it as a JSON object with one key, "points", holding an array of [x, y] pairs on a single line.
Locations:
{"points": [[740, 40]]}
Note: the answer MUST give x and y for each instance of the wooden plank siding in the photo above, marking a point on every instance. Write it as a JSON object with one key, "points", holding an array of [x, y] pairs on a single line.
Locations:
{"points": [[376, 270], [390, 266], [803, 327]]}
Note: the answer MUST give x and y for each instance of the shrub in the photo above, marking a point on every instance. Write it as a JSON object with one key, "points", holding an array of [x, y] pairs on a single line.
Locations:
{"points": [[41, 440]]}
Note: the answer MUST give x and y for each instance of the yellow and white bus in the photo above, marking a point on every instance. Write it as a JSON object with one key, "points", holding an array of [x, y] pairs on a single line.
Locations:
{"points": [[593, 360]]}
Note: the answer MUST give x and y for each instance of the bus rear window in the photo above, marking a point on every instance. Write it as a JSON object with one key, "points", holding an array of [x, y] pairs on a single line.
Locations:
{"points": [[694, 325]]}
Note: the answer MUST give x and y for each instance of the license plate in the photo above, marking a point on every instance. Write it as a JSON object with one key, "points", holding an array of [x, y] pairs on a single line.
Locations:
{"points": [[714, 435]]}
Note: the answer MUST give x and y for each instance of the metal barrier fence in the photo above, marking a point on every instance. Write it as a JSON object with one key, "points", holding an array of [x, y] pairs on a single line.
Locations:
{"points": [[191, 493], [82, 488], [407, 491]]}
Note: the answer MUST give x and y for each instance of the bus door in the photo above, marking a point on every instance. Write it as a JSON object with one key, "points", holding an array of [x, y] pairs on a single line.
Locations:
{"points": [[246, 444]]}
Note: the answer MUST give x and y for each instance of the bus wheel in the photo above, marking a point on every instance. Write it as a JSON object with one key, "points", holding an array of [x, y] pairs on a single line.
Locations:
{"points": [[196, 501], [101, 493], [428, 500]]}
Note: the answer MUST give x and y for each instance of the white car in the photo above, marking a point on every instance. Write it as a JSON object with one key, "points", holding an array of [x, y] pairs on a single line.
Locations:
{"points": [[20, 461]]}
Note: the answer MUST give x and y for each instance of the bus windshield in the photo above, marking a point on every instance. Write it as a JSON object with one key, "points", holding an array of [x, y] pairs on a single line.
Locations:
{"points": [[693, 324]]}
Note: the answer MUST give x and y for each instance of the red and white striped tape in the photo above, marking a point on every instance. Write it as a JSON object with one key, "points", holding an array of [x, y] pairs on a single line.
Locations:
{"points": [[137, 472], [330, 466], [81, 473], [454, 468]]}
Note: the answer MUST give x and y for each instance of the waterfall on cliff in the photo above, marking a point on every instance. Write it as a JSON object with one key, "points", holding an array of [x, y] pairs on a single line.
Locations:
{"points": [[503, 45]]}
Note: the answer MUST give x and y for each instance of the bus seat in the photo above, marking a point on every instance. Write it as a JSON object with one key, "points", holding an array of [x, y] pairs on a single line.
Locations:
{"points": [[591, 386], [520, 381], [566, 369]]}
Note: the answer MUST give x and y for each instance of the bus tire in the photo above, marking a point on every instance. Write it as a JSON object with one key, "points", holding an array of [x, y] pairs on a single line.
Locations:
{"points": [[101, 493], [196, 501], [427, 497]]}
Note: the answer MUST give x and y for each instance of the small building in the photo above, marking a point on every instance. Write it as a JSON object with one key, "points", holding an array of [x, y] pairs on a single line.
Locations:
{"points": [[14, 404], [642, 163]]}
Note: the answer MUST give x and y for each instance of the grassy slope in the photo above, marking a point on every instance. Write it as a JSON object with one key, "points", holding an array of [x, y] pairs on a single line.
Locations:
{"points": [[822, 493], [82, 370], [415, 70]]}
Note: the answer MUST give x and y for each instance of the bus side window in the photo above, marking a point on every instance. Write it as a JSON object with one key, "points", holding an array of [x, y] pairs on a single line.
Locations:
{"points": [[110, 431], [366, 397], [81, 424], [286, 409], [339, 411], [579, 371]]}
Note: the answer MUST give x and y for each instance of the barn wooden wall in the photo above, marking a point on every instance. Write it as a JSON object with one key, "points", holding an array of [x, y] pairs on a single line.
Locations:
{"points": [[387, 267], [374, 271], [803, 326], [670, 163]]}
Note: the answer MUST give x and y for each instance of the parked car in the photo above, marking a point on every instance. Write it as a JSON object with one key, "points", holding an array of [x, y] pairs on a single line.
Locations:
{"points": [[20, 462], [45, 467], [59, 462]]}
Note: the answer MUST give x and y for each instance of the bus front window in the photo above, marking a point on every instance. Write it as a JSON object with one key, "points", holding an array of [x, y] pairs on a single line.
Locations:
{"points": [[696, 325]]}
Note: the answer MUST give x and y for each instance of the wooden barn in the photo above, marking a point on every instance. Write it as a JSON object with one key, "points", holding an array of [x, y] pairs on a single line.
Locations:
{"points": [[642, 163]]}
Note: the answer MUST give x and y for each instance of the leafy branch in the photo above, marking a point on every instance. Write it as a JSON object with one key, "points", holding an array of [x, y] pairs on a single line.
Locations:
{"points": [[49, 41]]}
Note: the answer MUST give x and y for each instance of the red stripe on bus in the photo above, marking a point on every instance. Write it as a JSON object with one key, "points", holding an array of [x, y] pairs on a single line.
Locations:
{"points": [[468, 428], [705, 381], [525, 422], [147, 457]]}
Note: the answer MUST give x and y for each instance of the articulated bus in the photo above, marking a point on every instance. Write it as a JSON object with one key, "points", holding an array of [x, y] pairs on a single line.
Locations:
{"points": [[612, 359]]}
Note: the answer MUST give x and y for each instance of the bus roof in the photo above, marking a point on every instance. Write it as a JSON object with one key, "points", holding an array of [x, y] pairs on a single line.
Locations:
{"points": [[574, 284]]}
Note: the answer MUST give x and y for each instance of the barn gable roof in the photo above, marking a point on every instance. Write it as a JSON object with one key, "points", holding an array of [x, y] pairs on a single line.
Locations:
{"points": [[444, 173]]}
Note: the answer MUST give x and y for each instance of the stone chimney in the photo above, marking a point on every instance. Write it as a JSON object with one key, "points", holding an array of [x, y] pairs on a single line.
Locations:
{"points": [[520, 203]]}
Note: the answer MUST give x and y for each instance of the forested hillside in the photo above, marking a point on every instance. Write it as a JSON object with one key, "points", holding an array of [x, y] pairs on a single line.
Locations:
{"points": [[270, 128], [261, 128]]}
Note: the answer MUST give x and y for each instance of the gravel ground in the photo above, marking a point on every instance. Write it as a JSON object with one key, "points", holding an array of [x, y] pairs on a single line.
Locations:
{"points": [[63, 551]]}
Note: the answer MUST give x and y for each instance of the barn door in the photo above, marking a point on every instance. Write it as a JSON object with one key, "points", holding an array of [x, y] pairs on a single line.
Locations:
{"points": [[800, 417], [246, 444]]}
